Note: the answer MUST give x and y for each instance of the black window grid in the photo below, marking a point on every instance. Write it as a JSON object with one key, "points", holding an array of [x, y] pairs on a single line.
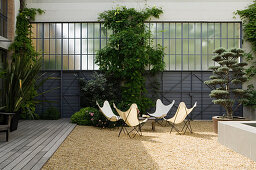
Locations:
{"points": [[81, 50]]}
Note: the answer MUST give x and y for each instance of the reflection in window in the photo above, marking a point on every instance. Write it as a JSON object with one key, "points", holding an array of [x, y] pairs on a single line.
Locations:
{"points": [[3, 18], [187, 46]]}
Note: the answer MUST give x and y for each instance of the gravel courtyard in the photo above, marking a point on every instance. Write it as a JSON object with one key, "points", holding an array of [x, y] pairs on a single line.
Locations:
{"points": [[94, 148]]}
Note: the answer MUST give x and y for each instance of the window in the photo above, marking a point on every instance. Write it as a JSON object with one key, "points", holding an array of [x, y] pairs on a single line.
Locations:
{"points": [[187, 45], [3, 18]]}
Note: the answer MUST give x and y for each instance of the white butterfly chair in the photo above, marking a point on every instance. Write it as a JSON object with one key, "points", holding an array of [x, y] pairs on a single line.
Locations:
{"points": [[161, 110], [130, 118], [107, 112], [180, 116]]}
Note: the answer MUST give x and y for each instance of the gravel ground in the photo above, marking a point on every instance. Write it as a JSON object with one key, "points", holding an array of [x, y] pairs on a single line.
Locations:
{"points": [[93, 148]]}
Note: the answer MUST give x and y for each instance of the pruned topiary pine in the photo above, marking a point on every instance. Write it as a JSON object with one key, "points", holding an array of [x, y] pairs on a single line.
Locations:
{"points": [[226, 79]]}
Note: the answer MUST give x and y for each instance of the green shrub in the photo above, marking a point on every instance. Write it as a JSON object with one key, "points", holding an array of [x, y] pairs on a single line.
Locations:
{"points": [[50, 114], [90, 116]]}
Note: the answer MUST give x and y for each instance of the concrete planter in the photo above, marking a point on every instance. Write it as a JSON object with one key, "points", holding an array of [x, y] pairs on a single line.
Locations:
{"points": [[216, 119], [249, 112]]}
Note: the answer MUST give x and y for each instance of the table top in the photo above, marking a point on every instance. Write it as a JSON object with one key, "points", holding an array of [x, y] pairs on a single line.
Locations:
{"points": [[4, 113]]}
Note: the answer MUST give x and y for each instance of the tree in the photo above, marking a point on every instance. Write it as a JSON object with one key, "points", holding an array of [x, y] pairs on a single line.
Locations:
{"points": [[128, 52], [226, 79]]}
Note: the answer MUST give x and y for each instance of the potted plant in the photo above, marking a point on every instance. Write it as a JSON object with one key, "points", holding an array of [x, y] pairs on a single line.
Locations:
{"points": [[227, 77], [20, 75]]}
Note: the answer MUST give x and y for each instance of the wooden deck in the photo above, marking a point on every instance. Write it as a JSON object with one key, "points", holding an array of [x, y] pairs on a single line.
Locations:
{"points": [[33, 143]]}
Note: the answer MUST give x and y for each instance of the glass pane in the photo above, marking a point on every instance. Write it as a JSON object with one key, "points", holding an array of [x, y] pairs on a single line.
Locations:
{"points": [[237, 43], [204, 30], [65, 30], [58, 46], [34, 30], [178, 30], [90, 46], [159, 42], [217, 30], [71, 62], [217, 43], [159, 30], [178, 62], [65, 46], [172, 30], [90, 30], [84, 62], [166, 60], [166, 46], [58, 31], [153, 29], [185, 46], [52, 62], [204, 62], [84, 46], [172, 62], [198, 62], [33, 44], [96, 67], [84, 30], [191, 30], [224, 43], [96, 30], [198, 46], [210, 61], [71, 30], [103, 32], [52, 30], [237, 30], [191, 62], [77, 46], [210, 30], [231, 30], [90, 62], [231, 43], [103, 43], [39, 45], [204, 46], [52, 46], [71, 46], [77, 62], [46, 46], [224, 29], [77, 30], [46, 62], [191, 46], [166, 30], [96, 45], [40, 31], [185, 62], [210, 46], [198, 30], [185, 30], [65, 62], [46, 30], [172, 46], [178, 46], [58, 62]]}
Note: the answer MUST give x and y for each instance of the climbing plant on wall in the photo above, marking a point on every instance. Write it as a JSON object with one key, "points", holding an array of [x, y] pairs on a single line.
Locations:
{"points": [[129, 52], [248, 17]]}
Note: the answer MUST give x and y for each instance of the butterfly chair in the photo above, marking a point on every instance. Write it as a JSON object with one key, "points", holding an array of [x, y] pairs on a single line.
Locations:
{"points": [[161, 111], [180, 116], [107, 112], [130, 118]]}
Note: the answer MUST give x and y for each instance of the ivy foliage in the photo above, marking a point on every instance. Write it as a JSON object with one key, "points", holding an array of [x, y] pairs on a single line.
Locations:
{"points": [[226, 79], [248, 17], [129, 52], [21, 73]]}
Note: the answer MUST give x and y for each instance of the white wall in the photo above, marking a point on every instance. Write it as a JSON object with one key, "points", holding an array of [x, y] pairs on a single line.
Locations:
{"points": [[174, 10]]}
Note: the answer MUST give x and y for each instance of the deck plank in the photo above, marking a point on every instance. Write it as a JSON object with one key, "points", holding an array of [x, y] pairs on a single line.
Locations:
{"points": [[33, 143]]}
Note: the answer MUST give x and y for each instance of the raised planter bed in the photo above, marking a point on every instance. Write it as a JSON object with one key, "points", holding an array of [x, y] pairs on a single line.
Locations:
{"points": [[239, 136]]}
